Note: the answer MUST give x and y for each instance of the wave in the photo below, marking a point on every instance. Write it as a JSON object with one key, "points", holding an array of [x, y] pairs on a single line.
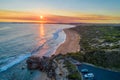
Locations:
{"points": [[60, 43], [18, 59], [56, 34], [58, 38], [4, 28], [2, 61]]}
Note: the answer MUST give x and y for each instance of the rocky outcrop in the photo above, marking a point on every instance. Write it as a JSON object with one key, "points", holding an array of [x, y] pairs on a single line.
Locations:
{"points": [[33, 63], [44, 64]]}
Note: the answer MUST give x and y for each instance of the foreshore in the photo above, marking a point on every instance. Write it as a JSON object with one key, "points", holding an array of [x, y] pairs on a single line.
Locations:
{"points": [[71, 43]]}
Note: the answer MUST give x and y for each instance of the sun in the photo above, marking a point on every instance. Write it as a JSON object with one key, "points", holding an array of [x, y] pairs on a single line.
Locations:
{"points": [[41, 17]]}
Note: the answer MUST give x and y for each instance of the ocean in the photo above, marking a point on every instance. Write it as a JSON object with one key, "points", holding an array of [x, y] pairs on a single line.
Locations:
{"points": [[20, 41]]}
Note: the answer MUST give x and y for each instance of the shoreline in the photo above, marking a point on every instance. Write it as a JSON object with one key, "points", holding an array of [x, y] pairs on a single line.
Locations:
{"points": [[71, 43], [72, 38]]}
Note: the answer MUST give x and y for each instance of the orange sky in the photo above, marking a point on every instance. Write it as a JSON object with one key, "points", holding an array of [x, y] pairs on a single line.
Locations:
{"points": [[66, 17]]}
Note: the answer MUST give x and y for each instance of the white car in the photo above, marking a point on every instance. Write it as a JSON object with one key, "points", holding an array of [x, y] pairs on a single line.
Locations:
{"points": [[89, 76], [77, 63]]}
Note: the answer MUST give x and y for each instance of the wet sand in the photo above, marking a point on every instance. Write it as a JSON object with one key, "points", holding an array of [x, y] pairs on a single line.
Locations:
{"points": [[41, 76], [71, 43]]}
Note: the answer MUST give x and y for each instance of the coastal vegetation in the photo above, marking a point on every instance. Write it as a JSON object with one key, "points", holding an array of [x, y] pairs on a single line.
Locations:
{"points": [[73, 72], [100, 45]]}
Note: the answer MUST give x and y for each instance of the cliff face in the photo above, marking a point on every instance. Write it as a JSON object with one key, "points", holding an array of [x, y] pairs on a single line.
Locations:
{"points": [[44, 64], [33, 63]]}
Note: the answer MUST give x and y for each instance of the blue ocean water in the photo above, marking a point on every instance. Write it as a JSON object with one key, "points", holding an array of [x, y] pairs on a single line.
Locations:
{"points": [[20, 41]]}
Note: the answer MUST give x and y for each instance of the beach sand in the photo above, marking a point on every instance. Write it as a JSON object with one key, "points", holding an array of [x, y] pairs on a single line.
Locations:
{"points": [[71, 43]]}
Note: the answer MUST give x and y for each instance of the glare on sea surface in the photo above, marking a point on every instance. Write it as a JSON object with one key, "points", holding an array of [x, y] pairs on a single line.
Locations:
{"points": [[41, 34]]}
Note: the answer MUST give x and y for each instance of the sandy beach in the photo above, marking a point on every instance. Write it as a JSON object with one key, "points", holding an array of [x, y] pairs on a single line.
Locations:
{"points": [[71, 43]]}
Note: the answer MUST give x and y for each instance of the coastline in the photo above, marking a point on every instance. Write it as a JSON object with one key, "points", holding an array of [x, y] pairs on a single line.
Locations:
{"points": [[71, 43]]}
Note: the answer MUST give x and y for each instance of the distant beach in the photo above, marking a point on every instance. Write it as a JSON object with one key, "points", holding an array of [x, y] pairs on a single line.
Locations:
{"points": [[71, 43]]}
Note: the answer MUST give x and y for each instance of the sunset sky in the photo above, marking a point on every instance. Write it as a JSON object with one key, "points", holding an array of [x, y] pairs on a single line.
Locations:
{"points": [[87, 11]]}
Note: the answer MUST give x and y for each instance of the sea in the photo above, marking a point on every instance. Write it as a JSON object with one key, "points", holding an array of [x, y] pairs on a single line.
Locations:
{"points": [[18, 41]]}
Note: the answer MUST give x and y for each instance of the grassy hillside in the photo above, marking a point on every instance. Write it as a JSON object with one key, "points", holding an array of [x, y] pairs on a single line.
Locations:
{"points": [[100, 45]]}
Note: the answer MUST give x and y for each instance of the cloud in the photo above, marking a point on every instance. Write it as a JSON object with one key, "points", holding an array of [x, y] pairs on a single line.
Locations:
{"points": [[32, 17]]}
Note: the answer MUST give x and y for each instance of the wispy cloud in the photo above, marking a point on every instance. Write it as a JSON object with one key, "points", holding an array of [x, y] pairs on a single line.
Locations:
{"points": [[14, 16]]}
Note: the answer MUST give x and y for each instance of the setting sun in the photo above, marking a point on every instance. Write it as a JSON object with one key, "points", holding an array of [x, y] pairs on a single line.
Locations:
{"points": [[41, 17]]}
